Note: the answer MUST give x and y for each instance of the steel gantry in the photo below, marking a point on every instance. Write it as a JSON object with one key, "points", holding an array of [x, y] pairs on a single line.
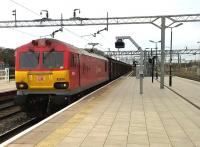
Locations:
{"points": [[167, 52], [162, 22], [79, 21]]}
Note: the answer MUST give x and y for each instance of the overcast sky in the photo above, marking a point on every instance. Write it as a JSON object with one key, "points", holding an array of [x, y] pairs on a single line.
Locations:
{"points": [[186, 35]]}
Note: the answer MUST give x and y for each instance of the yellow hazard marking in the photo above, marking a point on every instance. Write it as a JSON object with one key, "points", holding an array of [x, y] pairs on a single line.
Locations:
{"points": [[61, 132]]}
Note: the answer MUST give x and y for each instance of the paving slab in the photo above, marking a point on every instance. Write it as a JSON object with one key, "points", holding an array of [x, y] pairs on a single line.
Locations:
{"points": [[7, 86], [189, 89]]}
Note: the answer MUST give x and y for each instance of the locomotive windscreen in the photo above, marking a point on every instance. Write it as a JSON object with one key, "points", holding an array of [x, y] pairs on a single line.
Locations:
{"points": [[29, 60], [53, 60]]}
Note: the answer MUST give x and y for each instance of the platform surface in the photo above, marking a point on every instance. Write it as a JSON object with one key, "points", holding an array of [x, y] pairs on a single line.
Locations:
{"points": [[7, 86], [118, 116], [189, 89]]}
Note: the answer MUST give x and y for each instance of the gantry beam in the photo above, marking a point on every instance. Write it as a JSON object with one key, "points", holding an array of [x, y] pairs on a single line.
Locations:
{"points": [[136, 52], [78, 21]]}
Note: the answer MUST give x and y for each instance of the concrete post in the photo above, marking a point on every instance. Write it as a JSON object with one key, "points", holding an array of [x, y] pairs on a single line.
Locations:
{"points": [[141, 70], [162, 70]]}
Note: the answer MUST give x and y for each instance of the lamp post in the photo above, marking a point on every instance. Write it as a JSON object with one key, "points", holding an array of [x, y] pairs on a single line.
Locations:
{"points": [[156, 56], [150, 60], [170, 60]]}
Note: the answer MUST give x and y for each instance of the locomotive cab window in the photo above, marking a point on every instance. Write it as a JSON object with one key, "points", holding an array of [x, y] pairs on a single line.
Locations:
{"points": [[53, 59], [29, 60]]}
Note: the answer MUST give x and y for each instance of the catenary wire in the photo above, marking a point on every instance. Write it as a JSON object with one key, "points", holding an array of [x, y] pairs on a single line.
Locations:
{"points": [[73, 33]]}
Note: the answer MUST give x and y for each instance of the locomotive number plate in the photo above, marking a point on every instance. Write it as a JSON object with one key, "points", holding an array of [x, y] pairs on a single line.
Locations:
{"points": [[40, 78]]}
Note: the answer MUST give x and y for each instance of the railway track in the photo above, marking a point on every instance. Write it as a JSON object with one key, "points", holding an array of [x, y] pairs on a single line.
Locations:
{"points": [[11, 116], [6, 96], [9, 110], [17, 129], [7, 105], [12, 119]]}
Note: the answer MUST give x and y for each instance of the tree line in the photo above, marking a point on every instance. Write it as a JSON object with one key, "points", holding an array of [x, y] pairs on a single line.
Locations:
{"points": [[7, 55]]}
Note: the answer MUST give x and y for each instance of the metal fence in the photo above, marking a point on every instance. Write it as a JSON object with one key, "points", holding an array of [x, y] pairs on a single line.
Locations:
{"points": [[4, 75]]}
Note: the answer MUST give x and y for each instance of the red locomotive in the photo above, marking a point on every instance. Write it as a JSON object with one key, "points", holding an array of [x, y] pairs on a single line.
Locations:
{"points": [[50, 71]]}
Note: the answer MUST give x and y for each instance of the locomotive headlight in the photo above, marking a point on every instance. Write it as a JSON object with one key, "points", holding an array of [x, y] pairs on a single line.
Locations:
{"points": [[21, 85], [61, 85]]}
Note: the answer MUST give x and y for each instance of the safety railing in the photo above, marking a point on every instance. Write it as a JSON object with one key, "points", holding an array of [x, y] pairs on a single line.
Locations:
{"points": [[4, 75]]}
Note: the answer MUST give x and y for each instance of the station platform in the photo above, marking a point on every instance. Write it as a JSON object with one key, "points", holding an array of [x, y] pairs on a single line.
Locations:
{"points": [[188, 89], [7, 86], [118, 116]]}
